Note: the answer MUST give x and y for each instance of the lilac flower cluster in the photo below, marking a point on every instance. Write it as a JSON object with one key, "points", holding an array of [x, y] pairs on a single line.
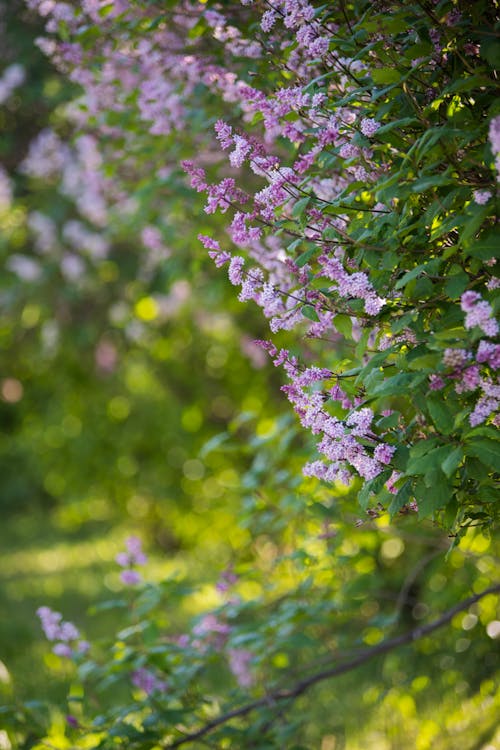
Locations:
{"points": [[494, 135], [127, 560], [478, 313], [12, 77], [213, 632], [240, 660], [355, 285], [146, 680], [470, 372], [341, 439], [66, 636], [369, 126]]}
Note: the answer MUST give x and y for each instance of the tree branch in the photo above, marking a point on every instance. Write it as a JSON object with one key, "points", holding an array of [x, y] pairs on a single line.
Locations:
{"points": [[301, 687]]}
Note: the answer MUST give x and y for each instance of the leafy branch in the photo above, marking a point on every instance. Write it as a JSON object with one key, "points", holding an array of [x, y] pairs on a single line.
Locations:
{"points": [[326, 674]]}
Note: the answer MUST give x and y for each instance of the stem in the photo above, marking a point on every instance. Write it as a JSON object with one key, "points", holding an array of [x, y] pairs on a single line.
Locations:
{"points": [[326, 674]]}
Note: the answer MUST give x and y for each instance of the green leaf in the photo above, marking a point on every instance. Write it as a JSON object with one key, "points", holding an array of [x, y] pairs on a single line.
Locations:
{"points": [[373, 487], [400, 458], [385, 75], [343, 324], [456, 285], [431, 267], [485, 249], [427, 462], [432, 181], [309, 312], [486, 431], [452, 461], [431, 499], [490, 51], [386, 423], [402, 122], [306, 256], [398, 384], [402, 498], [300, 207], [487, 451], [441, 414]]}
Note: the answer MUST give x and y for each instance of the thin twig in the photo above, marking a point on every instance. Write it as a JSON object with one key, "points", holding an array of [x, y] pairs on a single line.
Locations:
{"points": [[301, 687]]}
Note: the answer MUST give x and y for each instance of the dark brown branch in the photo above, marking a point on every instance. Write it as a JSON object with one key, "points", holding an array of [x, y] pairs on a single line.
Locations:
{"points": [[301, 687]]}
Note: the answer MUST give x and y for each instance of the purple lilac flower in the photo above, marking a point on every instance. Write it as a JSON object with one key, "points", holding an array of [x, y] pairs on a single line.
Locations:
{"points": [[494, 135], [435, 38], [147, 681], [130, 577], [478, 313], [268, 20], [208, 242], [360, 421], [469, 381], [484, 407], [369, 126], [239, 664], [436, 382], [133, 556], [455, 357], [392, 481], [65, 634], [227, 579], [251, 285], [220, 259], [224, 134], [235, 271], [481, 196], [384, 453], [197, 175], [490, 353], [241, 151], [221, 195], [240, 233], [63, 649]]}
